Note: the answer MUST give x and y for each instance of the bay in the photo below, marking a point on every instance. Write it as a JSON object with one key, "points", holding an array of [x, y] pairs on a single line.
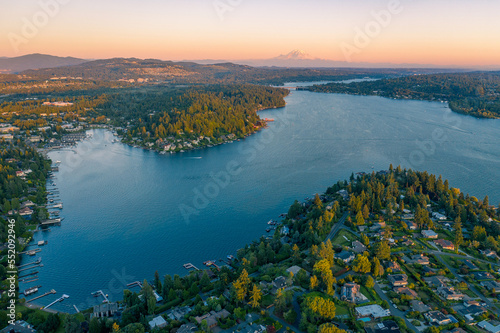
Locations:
{"points": [[129, 212]]}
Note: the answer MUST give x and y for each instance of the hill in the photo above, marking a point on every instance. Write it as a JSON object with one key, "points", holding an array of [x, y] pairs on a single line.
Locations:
{"points": [[35, 61]]}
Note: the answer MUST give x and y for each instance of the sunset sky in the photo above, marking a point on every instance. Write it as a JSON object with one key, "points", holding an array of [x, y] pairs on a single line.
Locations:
{"points": [[452, 32]]}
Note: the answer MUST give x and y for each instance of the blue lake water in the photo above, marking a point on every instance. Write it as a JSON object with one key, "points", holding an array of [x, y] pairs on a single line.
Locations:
{"points": [[129, 212]]}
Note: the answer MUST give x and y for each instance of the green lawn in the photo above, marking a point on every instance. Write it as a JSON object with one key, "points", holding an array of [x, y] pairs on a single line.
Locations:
{"points": [[340, 240], [267, 300], [341, 310]]}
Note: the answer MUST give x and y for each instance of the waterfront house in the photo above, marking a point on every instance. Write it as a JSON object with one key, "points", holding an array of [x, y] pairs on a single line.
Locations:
{"points": [[105, 310], [398, 280]]}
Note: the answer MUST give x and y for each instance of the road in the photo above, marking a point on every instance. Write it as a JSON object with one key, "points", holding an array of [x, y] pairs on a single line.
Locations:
{"points": [[395, 312], [471, 287], [337, 226]]}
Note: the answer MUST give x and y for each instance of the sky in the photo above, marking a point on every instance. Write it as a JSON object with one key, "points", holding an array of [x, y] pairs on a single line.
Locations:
{"points": [[439, 32]]}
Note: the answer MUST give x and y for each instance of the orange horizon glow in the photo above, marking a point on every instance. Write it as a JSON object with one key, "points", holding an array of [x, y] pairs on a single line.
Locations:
{"points": [[423, 33]]}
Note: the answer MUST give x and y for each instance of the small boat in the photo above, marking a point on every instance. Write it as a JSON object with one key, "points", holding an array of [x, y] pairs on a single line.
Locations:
{"points": [[268, 229], [31, 290], [230, 257]]}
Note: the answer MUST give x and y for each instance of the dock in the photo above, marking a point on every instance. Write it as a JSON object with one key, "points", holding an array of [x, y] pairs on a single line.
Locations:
{"points": [[135, 283], [46, 294], [211, 263], [58, 206], [39, 260], [190, 266], [51, 221], [77, 311], [26, 268], [60, 299], [28, 274], [31, 252], [100, 292]]}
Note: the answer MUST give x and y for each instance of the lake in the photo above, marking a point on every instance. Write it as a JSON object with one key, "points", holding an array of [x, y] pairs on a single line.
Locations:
{"points": [[129, 212]]}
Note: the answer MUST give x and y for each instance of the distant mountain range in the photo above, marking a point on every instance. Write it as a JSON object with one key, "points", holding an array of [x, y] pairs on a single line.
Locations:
{"points": [[36, 61]]}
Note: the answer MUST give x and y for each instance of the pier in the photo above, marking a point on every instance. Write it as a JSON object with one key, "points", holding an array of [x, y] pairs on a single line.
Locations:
{"points": [[60, 299], [26, 268], [100, 292], [46, 294], [28, 274], [211, 263], [31, 252], [39, 260], [51, 221], [77, 311], [190, 266]]}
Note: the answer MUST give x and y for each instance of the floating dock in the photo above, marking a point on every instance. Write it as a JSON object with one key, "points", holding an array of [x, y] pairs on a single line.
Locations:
{"points": [[190, 266]]}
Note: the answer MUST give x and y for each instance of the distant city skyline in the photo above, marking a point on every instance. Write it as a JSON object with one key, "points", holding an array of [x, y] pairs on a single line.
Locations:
{"points": [[444, 33]]}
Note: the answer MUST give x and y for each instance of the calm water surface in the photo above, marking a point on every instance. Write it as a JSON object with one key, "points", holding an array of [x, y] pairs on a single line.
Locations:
{"points": [[129, 212]]}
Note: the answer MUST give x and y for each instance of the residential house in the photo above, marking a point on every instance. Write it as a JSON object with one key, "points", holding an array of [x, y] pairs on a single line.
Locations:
{"points": [[253, 328], [394, 266], [278, 283], [429, 234], [178, 313], [374, 311], [411, 225], [345, 256], [419, 259], [350, 293], [26, 212], [105, 310], [212, 317], [294, 270], [436, 281], [344, 194], [437, 317], [398, 280], [20, 326], [450, 294], [445, 244], [490, 254], [439, 216], [491, 326], [406, 291], [187, 328], [419, 306], [358, 247], [482, 276], [491, 285], [158, 322]]}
